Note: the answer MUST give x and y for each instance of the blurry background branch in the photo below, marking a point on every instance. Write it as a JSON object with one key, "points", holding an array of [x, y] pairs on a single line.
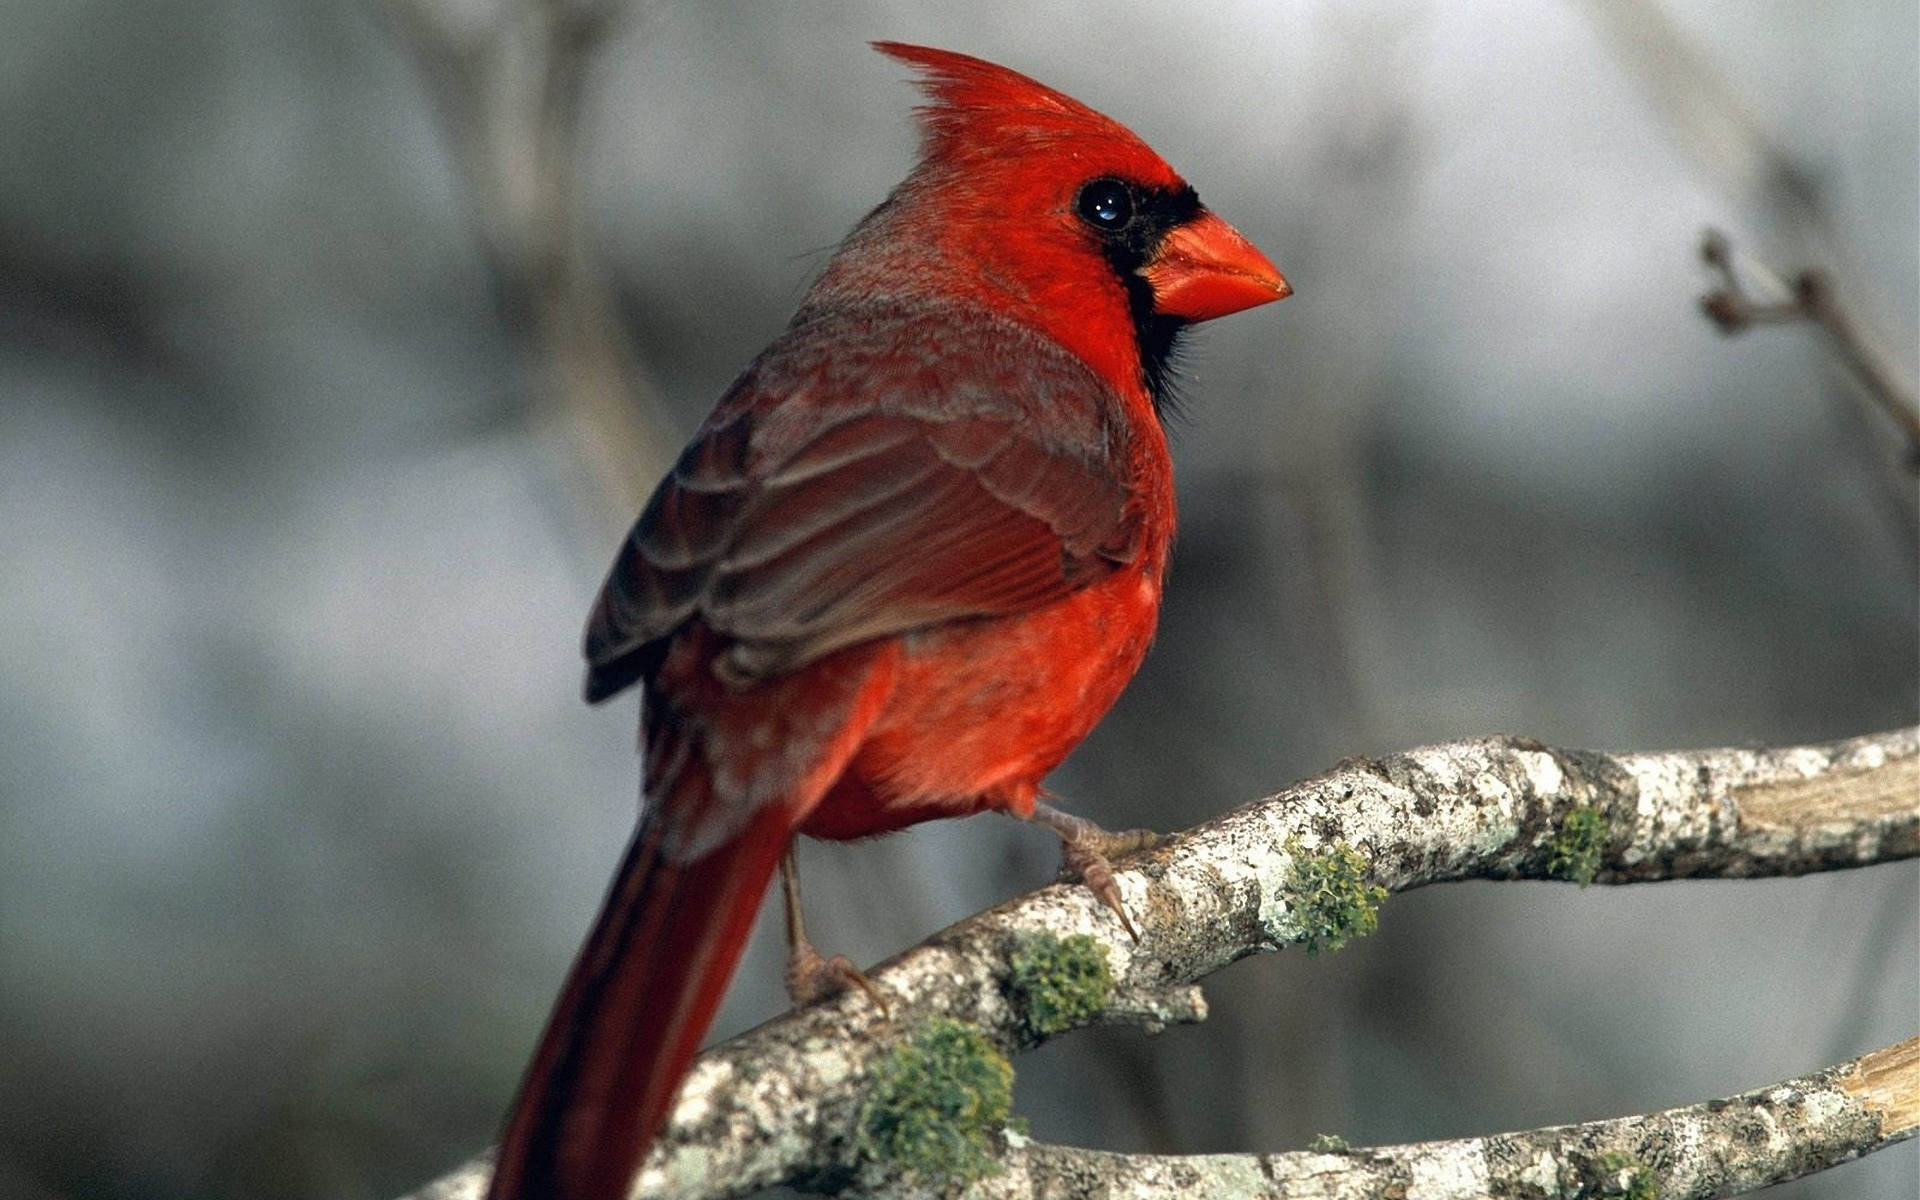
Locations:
{"points": [[788, 1100], [508, 77], [1706, 115], [1756, 173], [1811, 297]]}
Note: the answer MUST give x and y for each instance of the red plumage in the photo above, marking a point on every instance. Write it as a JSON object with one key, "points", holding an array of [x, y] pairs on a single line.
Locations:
{"points": [[909, 560]]}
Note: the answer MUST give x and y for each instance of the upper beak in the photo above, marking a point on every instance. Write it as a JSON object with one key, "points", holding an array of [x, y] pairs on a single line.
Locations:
{"points": [[1205, 269]]}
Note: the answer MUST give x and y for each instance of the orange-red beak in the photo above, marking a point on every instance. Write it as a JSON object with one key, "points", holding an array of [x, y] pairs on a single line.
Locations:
{"points": [[1205, 269]]}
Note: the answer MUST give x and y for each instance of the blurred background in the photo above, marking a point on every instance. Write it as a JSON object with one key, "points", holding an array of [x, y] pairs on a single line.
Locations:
{"points": [[340, 340]]}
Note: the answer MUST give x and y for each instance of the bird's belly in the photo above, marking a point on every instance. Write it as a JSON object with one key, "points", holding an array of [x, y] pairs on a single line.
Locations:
{"points": [[980, 711]]}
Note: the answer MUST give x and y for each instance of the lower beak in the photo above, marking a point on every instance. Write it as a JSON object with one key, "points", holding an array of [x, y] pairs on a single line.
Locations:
{"points": [[1205, 269]]}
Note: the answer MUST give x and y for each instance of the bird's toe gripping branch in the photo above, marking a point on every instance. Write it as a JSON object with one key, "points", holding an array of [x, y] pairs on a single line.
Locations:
{"points": [[1087, 851], [810, 976]]}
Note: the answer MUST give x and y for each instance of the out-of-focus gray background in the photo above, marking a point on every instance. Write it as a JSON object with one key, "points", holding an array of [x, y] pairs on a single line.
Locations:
{"points": [[301, 818]]}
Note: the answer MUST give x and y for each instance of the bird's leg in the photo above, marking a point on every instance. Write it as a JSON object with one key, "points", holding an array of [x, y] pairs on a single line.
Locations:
{"points": [[1086, 850], [809, 976]]}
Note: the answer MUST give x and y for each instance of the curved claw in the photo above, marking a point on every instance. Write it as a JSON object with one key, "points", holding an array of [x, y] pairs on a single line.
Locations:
{"points": [[1097, 873], [811, 978], [1084, 852]]}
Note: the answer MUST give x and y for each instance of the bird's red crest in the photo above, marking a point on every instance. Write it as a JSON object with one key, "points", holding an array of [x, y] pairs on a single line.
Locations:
{"points": [[981, 108]]}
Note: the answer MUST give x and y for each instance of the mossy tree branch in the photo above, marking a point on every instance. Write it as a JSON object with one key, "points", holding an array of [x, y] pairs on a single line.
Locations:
{"points": [[787, 1102], [1719, 1148]]}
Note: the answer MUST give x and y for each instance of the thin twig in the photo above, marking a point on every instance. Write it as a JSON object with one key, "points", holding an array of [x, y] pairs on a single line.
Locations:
{"points": [[1811, 297], [1756, 174], [783, 1101]]}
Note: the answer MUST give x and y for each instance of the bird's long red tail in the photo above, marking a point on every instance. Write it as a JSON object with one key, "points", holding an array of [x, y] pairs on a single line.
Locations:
{"points": [[635, 1006]]}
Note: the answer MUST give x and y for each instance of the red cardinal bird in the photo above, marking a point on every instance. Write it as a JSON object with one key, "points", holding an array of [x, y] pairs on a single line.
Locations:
{"points": [[907, 563]]}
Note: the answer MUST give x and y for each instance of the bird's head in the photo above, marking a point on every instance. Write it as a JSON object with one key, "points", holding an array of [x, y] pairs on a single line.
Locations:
{"points": [[1034, 204]]}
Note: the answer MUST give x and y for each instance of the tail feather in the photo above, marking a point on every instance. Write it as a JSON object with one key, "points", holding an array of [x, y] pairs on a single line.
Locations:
{"points": [[637, 1003]]}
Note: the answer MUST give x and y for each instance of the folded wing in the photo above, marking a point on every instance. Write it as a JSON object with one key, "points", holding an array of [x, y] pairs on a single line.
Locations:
{"points": [[803, 519]]}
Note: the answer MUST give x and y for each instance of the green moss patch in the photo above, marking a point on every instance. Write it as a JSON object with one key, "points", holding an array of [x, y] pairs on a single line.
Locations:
{"points": [[1624, 1177], [1577, 844], [1057, 983], [936, 1104], [1331, 899]]}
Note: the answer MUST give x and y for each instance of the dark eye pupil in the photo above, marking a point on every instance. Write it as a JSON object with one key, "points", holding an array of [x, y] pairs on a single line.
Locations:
{"points": [[1105, 204]]}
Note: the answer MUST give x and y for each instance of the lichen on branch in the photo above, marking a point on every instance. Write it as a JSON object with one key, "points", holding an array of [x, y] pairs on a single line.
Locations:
{"points": [[936, 1102], [1332, 901], [1057, 983]]}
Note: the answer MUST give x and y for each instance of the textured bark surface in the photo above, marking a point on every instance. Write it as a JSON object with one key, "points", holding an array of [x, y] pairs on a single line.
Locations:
{"points": [[1719, 1148], [782, 1103]]}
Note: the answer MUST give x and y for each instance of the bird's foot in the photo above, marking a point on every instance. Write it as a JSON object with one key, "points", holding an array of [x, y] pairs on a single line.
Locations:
{"points": [[812, 978], [1087, 851]]}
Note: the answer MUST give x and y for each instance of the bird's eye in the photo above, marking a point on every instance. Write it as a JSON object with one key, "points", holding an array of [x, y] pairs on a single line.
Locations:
{"points": [[1105, 204]]}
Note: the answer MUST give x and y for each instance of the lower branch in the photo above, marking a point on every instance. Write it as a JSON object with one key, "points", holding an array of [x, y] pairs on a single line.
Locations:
{"points": [[792, 1101], [1720, 1148]]}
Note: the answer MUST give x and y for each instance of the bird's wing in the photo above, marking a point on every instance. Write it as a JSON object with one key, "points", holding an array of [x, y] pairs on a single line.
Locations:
{"points": [[831, 500]]}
